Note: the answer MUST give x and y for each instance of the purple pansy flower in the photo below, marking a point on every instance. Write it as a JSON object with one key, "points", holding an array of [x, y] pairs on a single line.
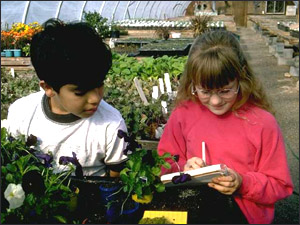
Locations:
{"points": [[47, 159], [64, 160], [132, 144], [183, 177]]}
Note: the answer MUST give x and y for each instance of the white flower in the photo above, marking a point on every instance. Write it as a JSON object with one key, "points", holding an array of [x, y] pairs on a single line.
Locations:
{"points": [[15, 195], [4, 123]]}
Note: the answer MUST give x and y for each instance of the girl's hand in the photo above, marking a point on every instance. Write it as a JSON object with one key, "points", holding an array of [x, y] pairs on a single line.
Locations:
{"points": [[227, 184], [193, 163]]}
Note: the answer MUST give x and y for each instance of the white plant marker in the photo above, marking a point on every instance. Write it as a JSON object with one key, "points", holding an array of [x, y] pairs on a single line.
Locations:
{"points": [[203, 152], [155, 92], [164, 107], [168, 83], [12, 72], [161, 85], [140, 91]]}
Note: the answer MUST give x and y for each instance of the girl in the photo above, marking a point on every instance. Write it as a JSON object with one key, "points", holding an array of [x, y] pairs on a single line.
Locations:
{"points": [[220, 102]]}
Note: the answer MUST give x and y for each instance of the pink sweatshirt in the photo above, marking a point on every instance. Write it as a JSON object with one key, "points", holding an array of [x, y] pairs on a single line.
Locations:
{"points": [[252, 145]]}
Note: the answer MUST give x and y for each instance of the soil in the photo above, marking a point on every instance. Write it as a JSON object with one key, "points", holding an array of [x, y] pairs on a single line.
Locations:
{"points": [[196, 200]]}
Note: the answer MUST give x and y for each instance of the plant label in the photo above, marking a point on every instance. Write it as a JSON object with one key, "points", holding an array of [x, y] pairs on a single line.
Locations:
{"points": [[155, 92], [140, 91], [161, 85], [168, 83]]}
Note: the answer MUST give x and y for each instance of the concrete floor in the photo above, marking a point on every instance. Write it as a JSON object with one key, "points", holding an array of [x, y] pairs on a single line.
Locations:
{"points": [[284, 94]]}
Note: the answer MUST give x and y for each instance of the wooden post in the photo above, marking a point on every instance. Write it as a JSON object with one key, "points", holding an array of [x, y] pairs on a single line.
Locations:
{"points": [[240, 11]]}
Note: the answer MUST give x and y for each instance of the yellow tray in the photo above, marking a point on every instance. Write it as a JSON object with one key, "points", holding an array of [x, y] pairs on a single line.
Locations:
{"points": [[177, 217]]}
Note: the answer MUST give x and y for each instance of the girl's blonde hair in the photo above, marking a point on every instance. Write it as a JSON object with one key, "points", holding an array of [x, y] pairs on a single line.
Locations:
{"points": [[214, 60]]}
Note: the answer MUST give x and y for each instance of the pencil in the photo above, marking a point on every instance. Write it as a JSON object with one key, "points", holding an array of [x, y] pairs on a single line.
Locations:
{"points": [[203, 152]]}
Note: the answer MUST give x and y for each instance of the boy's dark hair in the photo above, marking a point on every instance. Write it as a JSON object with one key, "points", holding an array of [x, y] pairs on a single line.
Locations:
{"points": [[70, 53]]}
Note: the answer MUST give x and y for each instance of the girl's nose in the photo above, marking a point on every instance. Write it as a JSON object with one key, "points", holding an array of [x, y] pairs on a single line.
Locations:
{"points": [[215, 99]]}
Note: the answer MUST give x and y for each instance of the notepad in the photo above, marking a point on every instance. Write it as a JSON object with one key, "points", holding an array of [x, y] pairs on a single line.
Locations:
{"points": [[198, 176]]}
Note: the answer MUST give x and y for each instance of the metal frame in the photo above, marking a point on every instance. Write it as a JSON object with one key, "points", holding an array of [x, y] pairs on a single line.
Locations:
{"points": [[114, 11], [155, 15], [136, 8], [126, 9], [101, 7], [58, 9], [144, 9], [25, 12], [82, 9]]}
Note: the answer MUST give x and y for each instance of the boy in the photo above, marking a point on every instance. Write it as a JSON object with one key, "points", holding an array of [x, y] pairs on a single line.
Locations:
{"points": [[71, 62]]}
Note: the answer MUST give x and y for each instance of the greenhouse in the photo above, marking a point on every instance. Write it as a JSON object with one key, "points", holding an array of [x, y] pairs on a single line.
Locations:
{"points": [[149, 112]]}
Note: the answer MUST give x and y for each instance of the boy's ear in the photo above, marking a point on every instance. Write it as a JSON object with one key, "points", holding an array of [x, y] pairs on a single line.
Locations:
{"points": [[49, 91]]}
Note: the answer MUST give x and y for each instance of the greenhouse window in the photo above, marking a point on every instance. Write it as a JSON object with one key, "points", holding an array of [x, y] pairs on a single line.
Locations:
{"points": [[275, 7]]}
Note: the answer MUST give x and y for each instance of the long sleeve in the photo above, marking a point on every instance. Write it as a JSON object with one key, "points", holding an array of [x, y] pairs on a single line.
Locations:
{"points": [[270, 181]]}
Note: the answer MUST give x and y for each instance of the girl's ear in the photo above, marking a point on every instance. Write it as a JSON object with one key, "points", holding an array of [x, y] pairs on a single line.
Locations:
{"points": [[49, 91]]}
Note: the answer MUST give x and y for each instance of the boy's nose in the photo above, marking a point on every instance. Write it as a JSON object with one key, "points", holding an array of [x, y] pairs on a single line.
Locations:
{"points": [[94, 96]]}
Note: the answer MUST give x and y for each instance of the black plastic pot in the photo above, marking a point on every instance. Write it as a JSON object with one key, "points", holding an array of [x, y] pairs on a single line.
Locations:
{"points": [[115, 34]]}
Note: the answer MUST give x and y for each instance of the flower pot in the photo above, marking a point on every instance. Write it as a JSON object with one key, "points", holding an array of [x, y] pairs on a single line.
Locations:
{"points": [[115, 34], [106, 193], [17, 52], [8, 53]]}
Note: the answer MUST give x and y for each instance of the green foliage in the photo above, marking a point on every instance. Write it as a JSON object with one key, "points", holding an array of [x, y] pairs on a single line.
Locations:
{"points": [[121, 92], [98, 22], [47, 194], [13, 88], [141, 176]]}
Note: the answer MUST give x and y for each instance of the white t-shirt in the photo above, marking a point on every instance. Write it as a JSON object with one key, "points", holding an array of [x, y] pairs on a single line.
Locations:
{"points": [[93, 139]]}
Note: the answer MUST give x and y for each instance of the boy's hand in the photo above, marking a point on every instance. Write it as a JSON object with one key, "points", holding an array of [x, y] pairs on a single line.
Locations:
{"points": [[227, 184], [193, 163]]}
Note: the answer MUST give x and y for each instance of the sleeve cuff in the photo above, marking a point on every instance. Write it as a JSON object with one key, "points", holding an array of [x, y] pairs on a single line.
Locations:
{"points": [[244, 188]]}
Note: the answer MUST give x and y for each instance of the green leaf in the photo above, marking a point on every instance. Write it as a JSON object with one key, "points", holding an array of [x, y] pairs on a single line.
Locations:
{"points": [[160, 187], [11, 168], [61, 219], [156, 171], [166, 165]]}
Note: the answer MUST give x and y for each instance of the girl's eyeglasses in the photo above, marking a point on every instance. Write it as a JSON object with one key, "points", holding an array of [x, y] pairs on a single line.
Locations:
{"points": [[226, 93]]}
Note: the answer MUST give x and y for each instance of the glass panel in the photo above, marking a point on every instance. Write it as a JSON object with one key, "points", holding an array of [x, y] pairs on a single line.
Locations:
{"points": [[11, 12], [92, 6], [140, 9], [279, 6], [108, 9], [270, 6], [70, 10], [120, 10], [148, 10], [41, 11], [131, 9]]}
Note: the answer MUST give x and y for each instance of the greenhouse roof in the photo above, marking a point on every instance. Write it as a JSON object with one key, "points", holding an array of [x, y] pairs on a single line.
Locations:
{"points": [[40, 11]]}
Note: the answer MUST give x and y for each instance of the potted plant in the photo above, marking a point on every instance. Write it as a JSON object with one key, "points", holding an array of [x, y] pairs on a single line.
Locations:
{"points": [[98, 22], [114, 31], [30, 190], [199, 24], [163, 32], [7, 40], [140, 178]]}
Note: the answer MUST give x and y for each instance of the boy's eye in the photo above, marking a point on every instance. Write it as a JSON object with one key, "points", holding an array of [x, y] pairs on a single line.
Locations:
{"points": [[79, 93]]}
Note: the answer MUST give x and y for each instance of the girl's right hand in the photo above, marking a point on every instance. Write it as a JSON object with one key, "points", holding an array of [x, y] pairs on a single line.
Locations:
{"points": [[193, 163]]}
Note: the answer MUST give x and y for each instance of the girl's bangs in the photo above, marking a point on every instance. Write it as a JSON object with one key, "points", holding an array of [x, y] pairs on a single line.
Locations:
{"points": [[215, 70]]}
